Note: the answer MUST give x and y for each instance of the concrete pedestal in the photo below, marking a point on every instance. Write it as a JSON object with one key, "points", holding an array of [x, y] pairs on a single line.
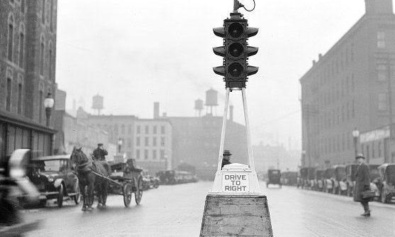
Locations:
{"points": [[236, 215]]}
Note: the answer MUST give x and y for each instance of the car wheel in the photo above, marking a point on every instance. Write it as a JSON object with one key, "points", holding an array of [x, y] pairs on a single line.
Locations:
{"points": [[383, 197], [60, 196]]}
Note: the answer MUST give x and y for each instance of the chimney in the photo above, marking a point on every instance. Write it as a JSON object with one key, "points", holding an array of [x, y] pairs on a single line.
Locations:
{"points": [[156, 110], [378, 7], [231, 113]]}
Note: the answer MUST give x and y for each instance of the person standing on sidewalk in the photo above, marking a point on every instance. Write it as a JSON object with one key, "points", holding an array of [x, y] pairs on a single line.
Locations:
{"points": [[362, 183]]}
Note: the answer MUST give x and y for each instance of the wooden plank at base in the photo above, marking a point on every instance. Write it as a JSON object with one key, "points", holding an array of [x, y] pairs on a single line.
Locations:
{"points": [[236, 215]]}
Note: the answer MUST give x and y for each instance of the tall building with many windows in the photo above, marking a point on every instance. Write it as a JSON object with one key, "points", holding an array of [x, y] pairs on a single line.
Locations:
{"points": [[27, 73], [350, 88]]}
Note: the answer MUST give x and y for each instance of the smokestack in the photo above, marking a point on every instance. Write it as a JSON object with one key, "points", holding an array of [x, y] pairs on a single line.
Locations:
{"points": [[156, 110], [231, 113]]}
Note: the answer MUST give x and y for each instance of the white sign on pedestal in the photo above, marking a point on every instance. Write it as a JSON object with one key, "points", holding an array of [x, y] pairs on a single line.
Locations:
{"points": [[235, 182]]}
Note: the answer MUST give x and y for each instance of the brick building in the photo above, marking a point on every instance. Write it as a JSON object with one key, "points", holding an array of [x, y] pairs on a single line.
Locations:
{"points": [[348, 89], [27, 73]]}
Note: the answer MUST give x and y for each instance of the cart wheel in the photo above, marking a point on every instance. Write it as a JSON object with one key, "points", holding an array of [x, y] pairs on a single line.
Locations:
{"points": [[77, 197], [127, 194], [139, 191]]}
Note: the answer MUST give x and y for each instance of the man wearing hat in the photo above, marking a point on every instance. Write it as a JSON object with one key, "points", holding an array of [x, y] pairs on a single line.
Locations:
{"points": [[362, 183], [226, 158], [100, 153]]}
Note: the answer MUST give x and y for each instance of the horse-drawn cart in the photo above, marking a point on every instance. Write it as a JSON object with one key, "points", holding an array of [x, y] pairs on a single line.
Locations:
{"points": [[130, 182]]}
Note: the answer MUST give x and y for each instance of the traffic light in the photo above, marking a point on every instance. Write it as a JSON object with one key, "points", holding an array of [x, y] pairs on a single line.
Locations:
{"points": [[235, 51]]}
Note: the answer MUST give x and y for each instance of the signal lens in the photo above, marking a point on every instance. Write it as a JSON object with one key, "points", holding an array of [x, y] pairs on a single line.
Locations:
{"points": [[235, 69], [235, 30], [236, 49]]}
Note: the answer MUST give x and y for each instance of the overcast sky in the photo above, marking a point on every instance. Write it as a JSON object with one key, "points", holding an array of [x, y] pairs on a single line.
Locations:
{"points": [[137, 52]]}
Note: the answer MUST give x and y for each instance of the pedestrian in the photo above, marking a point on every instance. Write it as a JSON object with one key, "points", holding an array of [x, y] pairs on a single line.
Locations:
{"points": [[362, 183], [226, 158], [100, 153]]}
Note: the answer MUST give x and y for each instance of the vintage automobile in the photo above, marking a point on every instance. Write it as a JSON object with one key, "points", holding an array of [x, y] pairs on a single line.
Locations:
{"points": [[319, 180], [310, 177], [54, 178], [374, 178], [273, 177], [329, 180], [289, 178], [386, 183], [302, 177], [350, 178], [340, 185]]}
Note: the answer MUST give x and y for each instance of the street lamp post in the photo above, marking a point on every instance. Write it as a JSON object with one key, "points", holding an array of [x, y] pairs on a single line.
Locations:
{"points": [[355, 134], [48, 104], [119, 145]]}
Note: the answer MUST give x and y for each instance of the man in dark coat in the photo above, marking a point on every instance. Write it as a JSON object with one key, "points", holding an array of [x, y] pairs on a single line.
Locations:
{"points": [[362, 183], [226, 158], [100, 153]]}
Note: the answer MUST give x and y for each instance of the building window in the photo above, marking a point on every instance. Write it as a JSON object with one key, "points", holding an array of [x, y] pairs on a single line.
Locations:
{"points": [[43, 11], [42, 48], [21, 49], [138, 141], [146, 129], [129, 143], [146, 142], [50, 63], [162, 129], [8, 98], [381, 72], [155, 129], [382, 101], [381, 39], [130, 129], [10, 38], [146, 154], [162, 154], [19, 98], [51, 16], [23, 6], [138, 129], [154, 141], [379, 149], [162, 141], [138, 154], [122, 129], [154, 155]]}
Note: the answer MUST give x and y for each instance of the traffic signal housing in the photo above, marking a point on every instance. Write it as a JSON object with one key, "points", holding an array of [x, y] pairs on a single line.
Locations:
{"points": [[235, 51]]}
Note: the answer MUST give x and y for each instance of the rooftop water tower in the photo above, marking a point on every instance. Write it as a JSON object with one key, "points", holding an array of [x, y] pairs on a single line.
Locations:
{"points": [[97, 103], [198, 106], [211, 100]]}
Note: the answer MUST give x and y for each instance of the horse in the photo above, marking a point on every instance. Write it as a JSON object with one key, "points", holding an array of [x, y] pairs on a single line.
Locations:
{"points": [[88, 180]]}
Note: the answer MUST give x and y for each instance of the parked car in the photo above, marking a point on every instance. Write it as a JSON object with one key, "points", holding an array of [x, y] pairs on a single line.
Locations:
{"points": [[289, 178], [387, 182], [329, 178], [374, 178], [319, 180], [310, 176], [302, 178], [54, 178], [273, 177], [340, 185], [350, 178]]}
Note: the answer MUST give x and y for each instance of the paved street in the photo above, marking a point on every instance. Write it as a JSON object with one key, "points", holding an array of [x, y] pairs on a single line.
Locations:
{"points": [[177, 211]]}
